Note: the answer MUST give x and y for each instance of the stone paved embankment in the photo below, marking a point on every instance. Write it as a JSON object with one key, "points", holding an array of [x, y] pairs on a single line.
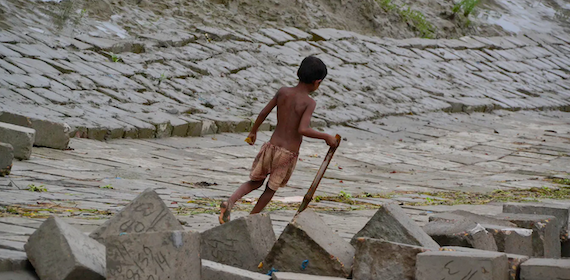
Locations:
{"points": [[213, 80]]}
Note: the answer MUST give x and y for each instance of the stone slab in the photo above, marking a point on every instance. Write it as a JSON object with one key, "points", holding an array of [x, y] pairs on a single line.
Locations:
{"points": [[465, 233], [308, 245], [6, 158], [13, 260], [560, 211], [391, 223], [48, 133], [462, 265], [154, 255], [542, 269], [380, 259], [57, 250], [217, 271], [19, 275], [300, 276], [242, 243], [514, 260], [459, 215], [146, 213], [545, 232], [21, 139]]}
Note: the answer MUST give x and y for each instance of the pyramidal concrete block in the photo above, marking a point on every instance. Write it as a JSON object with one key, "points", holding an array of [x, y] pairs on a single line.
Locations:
{"points": [[146, 213], [391, 223], [57, 250], [154, 255], [242, 243], [464, 233], [462, 265], [380, 259], [309, 246]]}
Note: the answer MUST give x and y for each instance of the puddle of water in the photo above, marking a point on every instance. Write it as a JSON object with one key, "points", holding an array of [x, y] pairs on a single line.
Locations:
{"points": [[519, 16]]}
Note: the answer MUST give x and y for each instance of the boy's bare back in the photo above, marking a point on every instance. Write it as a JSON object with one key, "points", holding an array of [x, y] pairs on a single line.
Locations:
{"points": [[291, 106]]}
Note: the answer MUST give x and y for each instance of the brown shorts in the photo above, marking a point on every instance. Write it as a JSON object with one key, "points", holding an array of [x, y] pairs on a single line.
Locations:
{"points": [[276, 161]]}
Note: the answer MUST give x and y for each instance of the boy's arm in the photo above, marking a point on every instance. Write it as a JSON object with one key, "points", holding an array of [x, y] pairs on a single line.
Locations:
{"points": [[306, 130], [261, 118]]}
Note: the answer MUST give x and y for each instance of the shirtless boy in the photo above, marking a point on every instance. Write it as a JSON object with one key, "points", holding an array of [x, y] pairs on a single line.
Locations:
{"points": [[278, 157]]}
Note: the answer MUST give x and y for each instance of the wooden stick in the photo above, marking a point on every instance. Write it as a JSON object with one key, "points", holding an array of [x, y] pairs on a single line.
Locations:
{"points": [[311, 192]]}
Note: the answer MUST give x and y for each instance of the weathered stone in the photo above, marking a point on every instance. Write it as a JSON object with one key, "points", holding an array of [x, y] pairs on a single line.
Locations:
{"points": [[6, 158], [545, 232], [542, 269], [242, 243], [19, 275], [21, 138], [560, 211], [60, 251], [514, 260], [459, 215], [208, 127], [511, 240], [565, 240], [154, 255], [391, 223], [465, 233], [300, 276], [217, 271], [13, 260], [146, 213], [308, 245], [48, 134], [462, 265], [379, 259]]}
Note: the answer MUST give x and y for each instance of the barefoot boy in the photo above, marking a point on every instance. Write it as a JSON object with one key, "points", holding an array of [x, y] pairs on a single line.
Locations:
{"points": [[278, 157]]}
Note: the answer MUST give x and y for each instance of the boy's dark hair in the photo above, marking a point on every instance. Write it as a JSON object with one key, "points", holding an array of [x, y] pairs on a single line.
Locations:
{"points": [[311, 69]]}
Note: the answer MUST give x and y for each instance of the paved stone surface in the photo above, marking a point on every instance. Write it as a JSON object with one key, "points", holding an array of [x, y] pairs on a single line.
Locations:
{"points": [[60, 251], [308, 245], [241, 243], [299, 276], [20, 138], [380, 259], [146, 213], [462, 265], [217, 271], [538, 269], [6, 158], [391, 223], [154, 255]]}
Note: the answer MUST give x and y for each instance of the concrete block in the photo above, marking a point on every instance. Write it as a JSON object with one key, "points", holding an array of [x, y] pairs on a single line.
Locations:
{"points": [[545, 232], [514, 260], [391, 223], [242, 243], [560, 211], [19, 275], [208, 127], [300, 276], [6, 158], [512, 240], [60, 251], [462, 265], [217, 271], [465, 233], [459, 215], [565, 244], [542, 269], [154, 255], [21, 138], [13, 260], [48, 134], [308, 245], [380, 259], [146, 213]]}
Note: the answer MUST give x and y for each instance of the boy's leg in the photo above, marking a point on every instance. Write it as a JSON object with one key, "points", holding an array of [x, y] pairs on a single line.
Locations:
{"points": [[264, 199], [226, 206]]}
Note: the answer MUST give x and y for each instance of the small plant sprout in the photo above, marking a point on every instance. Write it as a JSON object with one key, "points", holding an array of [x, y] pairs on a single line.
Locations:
{"points": [[115, 57], [343, 194], [108, 187], [34, 188]]}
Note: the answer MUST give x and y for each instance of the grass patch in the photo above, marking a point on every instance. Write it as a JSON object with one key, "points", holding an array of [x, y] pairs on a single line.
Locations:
{"points": [[467, 6], [413, 18], [109, 187], [34, 188], [562, 181]]}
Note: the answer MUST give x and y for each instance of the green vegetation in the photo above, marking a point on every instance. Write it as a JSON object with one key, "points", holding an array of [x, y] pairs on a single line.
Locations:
{"points": [[34, 188], [108, 187], [467, 6], [563, 181], [413, 18], [115, 57]]}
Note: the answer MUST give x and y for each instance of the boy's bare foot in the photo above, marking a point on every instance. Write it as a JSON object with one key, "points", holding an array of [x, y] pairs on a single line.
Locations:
{"points": [[224, 213]]}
